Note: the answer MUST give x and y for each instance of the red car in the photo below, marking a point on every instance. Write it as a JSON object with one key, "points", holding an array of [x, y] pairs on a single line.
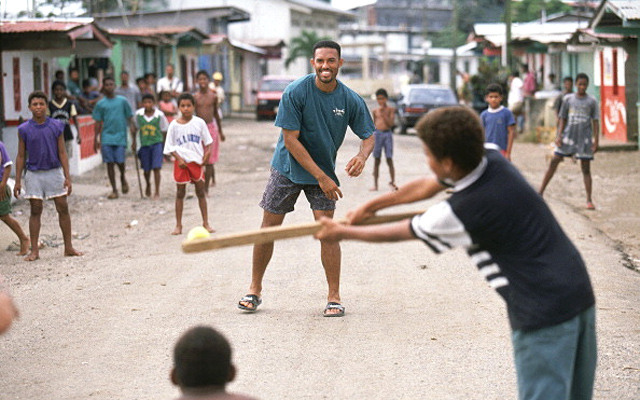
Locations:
{"points": [[269, 94]]}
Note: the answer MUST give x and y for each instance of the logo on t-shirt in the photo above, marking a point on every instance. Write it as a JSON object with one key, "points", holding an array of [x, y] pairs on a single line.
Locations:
{"points": [[338, 112]]}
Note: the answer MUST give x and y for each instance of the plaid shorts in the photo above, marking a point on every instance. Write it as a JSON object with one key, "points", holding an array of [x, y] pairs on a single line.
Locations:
{"points": [[281, 194]]}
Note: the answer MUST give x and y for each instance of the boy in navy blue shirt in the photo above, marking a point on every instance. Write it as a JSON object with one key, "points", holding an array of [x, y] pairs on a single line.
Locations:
{"points": [[516, 243], [499, 124]]}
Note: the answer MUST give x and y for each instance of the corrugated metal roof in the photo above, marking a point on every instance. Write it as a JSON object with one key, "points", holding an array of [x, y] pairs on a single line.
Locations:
{"points": [[24, 26], [151, 31], [629, 9], [550, 32]]}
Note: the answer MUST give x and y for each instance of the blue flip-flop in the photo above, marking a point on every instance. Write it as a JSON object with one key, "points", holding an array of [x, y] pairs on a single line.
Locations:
{"points": [[250, 298], [333, 306]]}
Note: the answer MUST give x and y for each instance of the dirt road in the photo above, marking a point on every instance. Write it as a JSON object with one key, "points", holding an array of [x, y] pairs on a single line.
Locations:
{"points": [[418, 326]]}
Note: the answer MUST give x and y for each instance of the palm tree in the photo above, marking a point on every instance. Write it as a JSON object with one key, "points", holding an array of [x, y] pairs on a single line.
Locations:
{"points": [[302, 46]]}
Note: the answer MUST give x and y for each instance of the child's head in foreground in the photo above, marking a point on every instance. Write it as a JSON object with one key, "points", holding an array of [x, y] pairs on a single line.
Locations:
{"points": [[202, 359], [453, 139]]}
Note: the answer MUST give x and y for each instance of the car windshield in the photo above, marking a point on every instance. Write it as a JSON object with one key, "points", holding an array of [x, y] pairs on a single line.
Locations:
{"points": [[274, 85], [431, 96]]}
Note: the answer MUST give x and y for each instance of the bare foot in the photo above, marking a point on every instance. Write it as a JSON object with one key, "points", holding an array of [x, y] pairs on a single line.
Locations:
{"points": [[147, 191], [73, 253], [393, 186], [24, 246], [209, 228], [156, 196], [32, 256], [125, 186], [113, 195], [177, 231], [374, 189]]}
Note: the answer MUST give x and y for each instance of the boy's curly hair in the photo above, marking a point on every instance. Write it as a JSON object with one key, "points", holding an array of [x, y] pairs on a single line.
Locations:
{"points": [[453, 132]]}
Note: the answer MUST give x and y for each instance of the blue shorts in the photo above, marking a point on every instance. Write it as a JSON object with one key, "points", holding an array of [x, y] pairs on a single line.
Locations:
{"points": [[112, 154], [557, 362], [281, 194], [151, 156], [383, 140]]}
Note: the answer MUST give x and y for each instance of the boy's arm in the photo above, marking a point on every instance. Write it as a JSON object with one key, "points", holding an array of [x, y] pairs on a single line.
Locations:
{"points": [[5, 178], [561, 124], [595, 126], [97, 130], [389, 116], [511, 133], [207, 153], [19, 167], [216, 116], [419, 189], [333, 231], [64, 161]]}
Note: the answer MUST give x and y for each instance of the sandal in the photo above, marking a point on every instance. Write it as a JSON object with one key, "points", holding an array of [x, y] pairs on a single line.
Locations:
{"points": [[333, 306], [590, 206], [112, 195], [254, 300]]}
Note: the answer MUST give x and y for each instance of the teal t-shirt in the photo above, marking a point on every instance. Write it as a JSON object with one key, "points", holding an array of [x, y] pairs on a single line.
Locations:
{"points": [[322, 119], [115, 114]]}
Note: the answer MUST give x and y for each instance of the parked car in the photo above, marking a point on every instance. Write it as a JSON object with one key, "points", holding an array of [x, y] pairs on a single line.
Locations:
{"points": [[269, 94], [416, 100]]}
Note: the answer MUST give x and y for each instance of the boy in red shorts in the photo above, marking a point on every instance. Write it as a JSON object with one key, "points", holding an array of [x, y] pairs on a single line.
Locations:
{"points": [[184, 142]]}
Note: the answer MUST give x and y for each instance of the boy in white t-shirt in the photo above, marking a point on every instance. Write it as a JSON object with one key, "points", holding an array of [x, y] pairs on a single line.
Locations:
{"points": [[185, 137]]}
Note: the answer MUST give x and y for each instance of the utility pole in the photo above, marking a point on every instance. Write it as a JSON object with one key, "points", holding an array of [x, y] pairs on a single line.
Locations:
{"points": [[454, 61], [507, 47]]}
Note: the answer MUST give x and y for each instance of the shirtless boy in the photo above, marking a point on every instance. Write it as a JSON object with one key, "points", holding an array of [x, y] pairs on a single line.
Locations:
{"points": [[383, 119]]}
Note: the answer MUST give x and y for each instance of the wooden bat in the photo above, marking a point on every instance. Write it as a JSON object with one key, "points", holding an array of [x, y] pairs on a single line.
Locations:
{"points": [[271, 234]]}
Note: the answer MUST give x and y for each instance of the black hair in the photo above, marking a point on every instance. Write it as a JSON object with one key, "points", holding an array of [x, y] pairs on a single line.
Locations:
{"points": [[202, 72], [326, 44], [124, 71], [186, 96], [494, 88], [382, 92], [86, 83], [55, 84], [38, 94], [515, 74], [107, 78], [453, 132], [148, 96], [202, 357], [140, 79], [148, 74], [567, 78], [582, 75]]}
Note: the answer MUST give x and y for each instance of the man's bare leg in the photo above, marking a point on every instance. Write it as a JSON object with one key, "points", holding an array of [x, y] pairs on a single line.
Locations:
{"points": [[261, 256], [111, 173], [392, 174], [331, 256], [17, 229], [64, 220], [34, 228], [147, 182], [376, 173], [585, 166], [181, 190], [553, 165], [156, 179], [202, 203]]}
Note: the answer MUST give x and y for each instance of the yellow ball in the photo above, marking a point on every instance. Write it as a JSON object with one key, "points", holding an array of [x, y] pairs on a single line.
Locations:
{"points": [[198, 232]]}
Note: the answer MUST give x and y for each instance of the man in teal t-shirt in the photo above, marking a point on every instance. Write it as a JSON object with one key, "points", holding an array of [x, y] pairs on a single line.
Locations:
{"points": [[314, 114], [113, 115]]}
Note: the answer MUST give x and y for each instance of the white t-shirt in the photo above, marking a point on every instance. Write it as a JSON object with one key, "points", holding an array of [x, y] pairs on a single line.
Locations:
{"points": [[187, 139], [515, 91], [169, 85]]}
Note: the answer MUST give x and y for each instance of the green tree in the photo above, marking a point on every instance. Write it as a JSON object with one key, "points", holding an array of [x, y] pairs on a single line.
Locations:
{"points": [[530, 10], [302, 46]]}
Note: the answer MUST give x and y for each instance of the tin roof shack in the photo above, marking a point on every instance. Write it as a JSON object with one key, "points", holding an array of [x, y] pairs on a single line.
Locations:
{"points": [[243, 65], [622, 17], [150, 49], [31, 52]]}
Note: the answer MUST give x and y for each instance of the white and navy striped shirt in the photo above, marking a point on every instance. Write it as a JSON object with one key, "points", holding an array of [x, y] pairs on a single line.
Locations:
{"points": [[516, 242]]}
